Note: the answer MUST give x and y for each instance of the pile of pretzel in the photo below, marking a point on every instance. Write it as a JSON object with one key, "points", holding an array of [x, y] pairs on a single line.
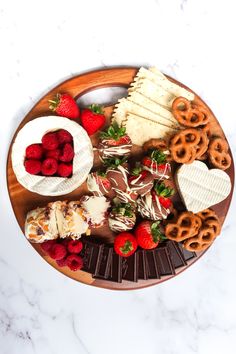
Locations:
{"points": [[195, 142], [196, 231]]}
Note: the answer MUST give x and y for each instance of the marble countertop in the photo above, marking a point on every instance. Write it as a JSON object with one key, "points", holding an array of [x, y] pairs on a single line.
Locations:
{"points": [[43, 43]]}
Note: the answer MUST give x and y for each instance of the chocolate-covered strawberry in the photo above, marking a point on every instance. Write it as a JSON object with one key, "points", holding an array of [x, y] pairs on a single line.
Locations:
{"points": [[157, 204], [98, 183], [122, 217], [141, 181], [117, 173], [114, 142], [157, 164]]}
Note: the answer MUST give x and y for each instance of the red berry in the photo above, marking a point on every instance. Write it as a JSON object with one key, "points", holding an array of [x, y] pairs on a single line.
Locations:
{"points": [[33, 166], [53, 153], [64, 170], [47, 245], [125, 244], [67, 153], [49, 167], [34, 152], [148, 234], [57, 251], [74, 262], [165, 202], [92, 119], [65, 242], [75, 246], [64, 136], [50, 141], [61, 262], [65, 105]]}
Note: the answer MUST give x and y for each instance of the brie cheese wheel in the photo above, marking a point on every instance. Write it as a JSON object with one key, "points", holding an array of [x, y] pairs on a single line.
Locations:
{"points": [[32, 133], [201, 188]]}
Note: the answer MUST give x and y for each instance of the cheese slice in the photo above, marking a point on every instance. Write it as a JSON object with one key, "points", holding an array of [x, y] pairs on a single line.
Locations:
{"points": [[152, 106], [161, 80], [141, 130], [150, 90], [125, 106], [32, 133]]}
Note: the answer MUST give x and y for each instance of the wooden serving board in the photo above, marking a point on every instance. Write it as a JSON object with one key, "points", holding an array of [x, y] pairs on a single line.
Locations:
{"points": [[23, 200]]}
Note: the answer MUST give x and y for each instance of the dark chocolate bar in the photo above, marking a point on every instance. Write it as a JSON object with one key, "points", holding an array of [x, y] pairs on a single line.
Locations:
{"points": [[130, 267], [103, 267], [91, 255], [142, 265], [115, 268], [151, 263], [163, 261], [176, 255], [187, 254]]}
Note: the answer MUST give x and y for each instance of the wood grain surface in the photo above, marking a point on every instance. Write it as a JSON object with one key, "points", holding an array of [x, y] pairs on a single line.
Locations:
{"points": [[23, 200]]}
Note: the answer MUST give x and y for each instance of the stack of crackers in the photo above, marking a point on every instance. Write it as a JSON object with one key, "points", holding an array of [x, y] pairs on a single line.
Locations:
{"points": [[146, 112]]}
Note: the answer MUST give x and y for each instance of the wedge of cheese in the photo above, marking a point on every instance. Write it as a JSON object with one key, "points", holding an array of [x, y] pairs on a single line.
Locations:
{"points": [[152, 106], [125, 106], [141, 129]]}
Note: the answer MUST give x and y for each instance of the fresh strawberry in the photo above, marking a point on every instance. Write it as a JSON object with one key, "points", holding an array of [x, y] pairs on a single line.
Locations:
{"points": [[125, 244], [148, 234], [115, 136], [164, 193], [64, 105], [92, 119]]}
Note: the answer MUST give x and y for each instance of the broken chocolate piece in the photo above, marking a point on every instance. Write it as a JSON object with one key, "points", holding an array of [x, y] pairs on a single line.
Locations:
{"points": [[187, 254]]}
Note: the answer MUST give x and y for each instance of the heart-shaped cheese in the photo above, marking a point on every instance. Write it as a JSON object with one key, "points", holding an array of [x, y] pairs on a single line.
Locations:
{"points": [[200, 188], [32, 133]]}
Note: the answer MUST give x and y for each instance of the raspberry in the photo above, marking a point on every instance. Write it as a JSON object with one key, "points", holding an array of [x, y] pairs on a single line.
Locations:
{"points": [[65, 242], [64, 170], [67, 153], [50, 141], [61, 262], [75, 246], [64, 136], [34, 152], [47, 245], [49, 167], [33, 166], [57, 252], [53, 153], [74, 262]]}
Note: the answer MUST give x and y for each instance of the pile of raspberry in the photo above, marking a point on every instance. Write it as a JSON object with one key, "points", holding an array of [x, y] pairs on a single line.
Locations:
{"points": [[53, 157], [65, 252]]}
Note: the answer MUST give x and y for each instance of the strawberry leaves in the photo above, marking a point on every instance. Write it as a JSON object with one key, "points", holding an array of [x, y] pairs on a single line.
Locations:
{"points": [[113, 163], [163, 191], [158, 156], [157, 235], [127, 247], [124, 209], [113, 132]]}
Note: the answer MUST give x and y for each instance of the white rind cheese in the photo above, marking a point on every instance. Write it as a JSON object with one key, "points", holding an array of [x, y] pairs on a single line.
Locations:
{"points": [[201, 188], [32, 133]]}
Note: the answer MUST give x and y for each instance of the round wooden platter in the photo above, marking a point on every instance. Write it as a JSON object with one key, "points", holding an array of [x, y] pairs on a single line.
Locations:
{"points": [[23, 200]]}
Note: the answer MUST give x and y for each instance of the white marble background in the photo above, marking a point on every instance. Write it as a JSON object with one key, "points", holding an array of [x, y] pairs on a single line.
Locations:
{"points": [[44, 42]]}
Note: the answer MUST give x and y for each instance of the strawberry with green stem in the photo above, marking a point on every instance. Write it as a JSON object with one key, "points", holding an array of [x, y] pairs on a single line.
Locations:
{"points": [[122, 217], [114, 142], [98, 183], [65, 106], [125, 244], [93, 119], [163, 193], [156, 163], [148, 234], [141, 181]]}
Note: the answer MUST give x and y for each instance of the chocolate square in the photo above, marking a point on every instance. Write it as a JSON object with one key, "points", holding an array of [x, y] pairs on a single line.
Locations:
{"points": [[151, 263], [130, 267], [176, 255], [187, 254], [115, 268], [91, 255], [164, 264], [142, 265], [103, 268]]}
